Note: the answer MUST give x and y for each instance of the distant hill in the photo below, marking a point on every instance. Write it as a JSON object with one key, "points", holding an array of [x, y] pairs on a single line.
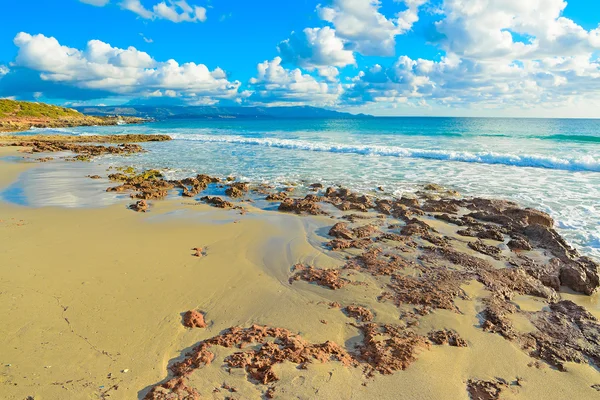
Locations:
{"points": [[23, 115], [215, 112]]}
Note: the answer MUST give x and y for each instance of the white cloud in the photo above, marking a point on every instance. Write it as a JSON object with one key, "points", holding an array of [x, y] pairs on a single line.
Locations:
{"points": [[97, 3], [179, 11], [276, 85], [137, 7], [370, 33], [500, 54], [171, 10], [147, 40], [3, 70], [512, 29], [314, 48], [456, 82], [329, 73], [121, 71]]}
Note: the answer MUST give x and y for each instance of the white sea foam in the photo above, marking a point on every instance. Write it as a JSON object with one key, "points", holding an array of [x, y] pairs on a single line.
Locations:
{"points": [[581, 163]]}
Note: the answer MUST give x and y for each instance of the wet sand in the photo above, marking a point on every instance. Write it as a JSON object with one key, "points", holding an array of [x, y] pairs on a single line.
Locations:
{"points": [[91, 303]]}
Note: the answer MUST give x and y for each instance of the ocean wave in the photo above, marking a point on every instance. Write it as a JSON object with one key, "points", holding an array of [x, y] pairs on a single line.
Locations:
{"points": [[583, 163], [52, 131], [570, 138]]}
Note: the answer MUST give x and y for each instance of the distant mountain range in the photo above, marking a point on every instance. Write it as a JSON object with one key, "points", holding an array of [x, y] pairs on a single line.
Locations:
{"points": [[215, 112]]}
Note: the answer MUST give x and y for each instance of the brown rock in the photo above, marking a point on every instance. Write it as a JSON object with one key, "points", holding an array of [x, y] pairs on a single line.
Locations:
{"points": [[307, 205], [446, 337], [330, 278], [139, 206], [483, 248], [237, 189], [519, 243], [582, 275], [340, 230], [485, 390], [217, 202], [194, 319], [277, 196], [389, 348], [359, 313]]}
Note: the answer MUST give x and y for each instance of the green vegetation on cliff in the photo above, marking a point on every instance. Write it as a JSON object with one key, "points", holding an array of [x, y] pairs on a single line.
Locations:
{"points": [[22, 115], [24, 109]]}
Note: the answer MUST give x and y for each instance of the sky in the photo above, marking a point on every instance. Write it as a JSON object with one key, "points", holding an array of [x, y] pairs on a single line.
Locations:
{"points": [[532, 58]]}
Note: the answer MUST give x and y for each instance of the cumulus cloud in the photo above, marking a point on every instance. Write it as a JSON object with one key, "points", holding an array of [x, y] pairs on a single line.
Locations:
{"points": [[3, 70], [329, 73], [179, 11], [171, 10], [315, 48], [365, 28], [456, 82], [512, 29], [121, 71], [275, 85], [499, 54]]}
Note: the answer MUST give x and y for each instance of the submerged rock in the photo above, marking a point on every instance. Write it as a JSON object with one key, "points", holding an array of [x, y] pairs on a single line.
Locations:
{"points": [[216, 202]]}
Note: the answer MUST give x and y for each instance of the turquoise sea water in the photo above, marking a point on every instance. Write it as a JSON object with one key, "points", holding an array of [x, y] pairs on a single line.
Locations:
{"points": [[550, 164]]}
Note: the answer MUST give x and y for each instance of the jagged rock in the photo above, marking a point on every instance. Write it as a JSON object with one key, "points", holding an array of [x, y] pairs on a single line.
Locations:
{"points": [[194, 319], [549, 239], [446, 337], [340, 230], [330, 278], [485, 390], [237, 189], [431, 289], [389, 348], [217, 202], [359, 313], [582, 275], [139, 206], [277, 196], [519, 243], [174, 389], [309, 205], [482, 248]]}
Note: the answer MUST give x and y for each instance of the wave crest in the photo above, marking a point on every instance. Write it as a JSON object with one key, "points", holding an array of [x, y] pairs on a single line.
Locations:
{"points": [[583, 163]]}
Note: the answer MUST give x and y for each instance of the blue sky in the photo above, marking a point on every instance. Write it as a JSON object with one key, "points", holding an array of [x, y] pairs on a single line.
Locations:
{"points": [[388, 57]]}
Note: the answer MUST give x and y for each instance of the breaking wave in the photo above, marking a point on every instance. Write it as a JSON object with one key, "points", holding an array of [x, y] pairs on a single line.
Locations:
{"points": [[582, 163]]}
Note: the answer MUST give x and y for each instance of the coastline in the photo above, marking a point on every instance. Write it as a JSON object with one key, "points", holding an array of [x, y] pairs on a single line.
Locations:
{"points": [[122, 280], [18, 116]]}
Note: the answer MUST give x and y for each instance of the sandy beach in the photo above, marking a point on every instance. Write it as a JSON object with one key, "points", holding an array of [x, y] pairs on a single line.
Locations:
{"points": [[93, 299], [305, 200]]}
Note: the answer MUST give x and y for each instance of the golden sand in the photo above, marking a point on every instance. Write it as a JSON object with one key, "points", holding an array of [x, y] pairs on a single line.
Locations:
{"points": [[91, 303]]}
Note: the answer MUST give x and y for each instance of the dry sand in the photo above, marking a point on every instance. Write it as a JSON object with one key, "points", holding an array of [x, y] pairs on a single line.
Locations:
{"points": [[91, 304]]}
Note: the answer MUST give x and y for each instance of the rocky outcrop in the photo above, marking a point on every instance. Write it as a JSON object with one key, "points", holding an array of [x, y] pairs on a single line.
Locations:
{"points": [[359, 313], [329, 278], [388, 348], [237, 189], [307, 205], [139, 206], [446, 337], [216, 202]]}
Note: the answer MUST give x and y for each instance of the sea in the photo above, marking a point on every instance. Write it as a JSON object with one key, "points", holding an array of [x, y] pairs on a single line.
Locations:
{"points": [[550, 164]]}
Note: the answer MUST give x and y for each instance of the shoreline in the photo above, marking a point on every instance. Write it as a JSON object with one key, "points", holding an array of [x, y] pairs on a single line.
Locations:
{"points": [[19, 116], [250, 255]]}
